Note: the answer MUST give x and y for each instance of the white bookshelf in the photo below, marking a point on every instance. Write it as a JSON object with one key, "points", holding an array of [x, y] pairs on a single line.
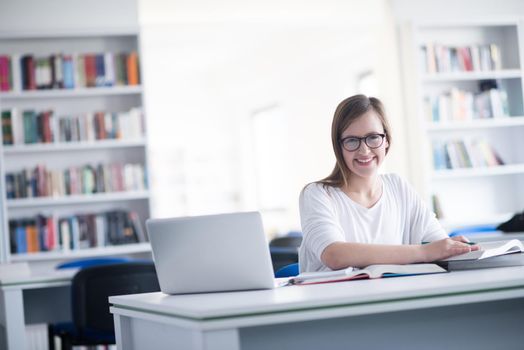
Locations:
{"points": [[77, 199], [78, 92], [74, 146], [461, 76], [478, 172], [517, 121], [84, 253], [61, 155], [480, 194]]}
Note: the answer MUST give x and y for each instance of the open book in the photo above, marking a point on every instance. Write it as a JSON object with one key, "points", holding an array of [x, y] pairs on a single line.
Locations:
{"points": [[490, 249], [372, 271]]}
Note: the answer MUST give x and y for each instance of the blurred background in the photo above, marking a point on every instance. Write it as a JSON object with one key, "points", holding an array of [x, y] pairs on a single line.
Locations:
{"points": [[238, 96], [116, 111], [245, 95]]}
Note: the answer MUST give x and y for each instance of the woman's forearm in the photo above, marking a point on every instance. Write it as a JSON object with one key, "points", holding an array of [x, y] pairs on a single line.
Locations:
{"points": [[340, 255]]}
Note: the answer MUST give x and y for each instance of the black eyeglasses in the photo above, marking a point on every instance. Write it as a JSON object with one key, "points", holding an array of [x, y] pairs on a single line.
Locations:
{"points": [[352, 143]]}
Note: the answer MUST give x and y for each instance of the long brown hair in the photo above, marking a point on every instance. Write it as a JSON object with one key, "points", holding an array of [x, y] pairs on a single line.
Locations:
{"points": [[346, 113]]}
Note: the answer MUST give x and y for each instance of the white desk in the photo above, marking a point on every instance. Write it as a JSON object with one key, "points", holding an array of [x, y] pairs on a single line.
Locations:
{"points": [[37, 297], [480, 309]]}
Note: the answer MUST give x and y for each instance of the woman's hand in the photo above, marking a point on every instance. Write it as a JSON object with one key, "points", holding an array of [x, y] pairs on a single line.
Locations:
{"points": [[461, 239], [446, 248]]}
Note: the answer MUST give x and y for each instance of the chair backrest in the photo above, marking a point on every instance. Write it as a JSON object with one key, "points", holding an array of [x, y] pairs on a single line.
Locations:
{"points": [[284, 250], [88, 262], [92, 286], [289, 241], [473, 230], [288, 271]]}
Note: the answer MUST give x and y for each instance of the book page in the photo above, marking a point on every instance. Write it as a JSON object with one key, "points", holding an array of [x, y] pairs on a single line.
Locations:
{"points": [[305, 276], [500, 248], [329, 276]]}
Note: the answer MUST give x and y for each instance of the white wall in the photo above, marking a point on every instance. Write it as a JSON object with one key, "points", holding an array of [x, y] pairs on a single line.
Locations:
{"points": [[211, 71]]}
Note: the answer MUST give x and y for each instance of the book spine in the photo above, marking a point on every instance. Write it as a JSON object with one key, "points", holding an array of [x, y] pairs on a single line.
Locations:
{"points": [[132, 69], [21, 238], [100, 70], [7, 127], [109, 63], [80, 71], [12, 236], [32, 237], [137, 227], [51, 234], [101, 229], [4, 73], [90, 70]]}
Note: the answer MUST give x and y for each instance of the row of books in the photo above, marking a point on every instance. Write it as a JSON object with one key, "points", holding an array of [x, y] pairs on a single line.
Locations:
{"points": [[70, 71], [444, 59], [6, 74], [458, 154], [32, 126], [461, 105], [51, 233], [87, 179]]}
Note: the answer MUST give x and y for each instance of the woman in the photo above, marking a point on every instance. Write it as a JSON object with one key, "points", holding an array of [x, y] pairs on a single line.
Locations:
{"points": [[357, 217]]}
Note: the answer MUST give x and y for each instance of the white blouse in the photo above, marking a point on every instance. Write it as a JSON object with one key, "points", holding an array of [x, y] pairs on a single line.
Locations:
{"points": [[328, 215]]}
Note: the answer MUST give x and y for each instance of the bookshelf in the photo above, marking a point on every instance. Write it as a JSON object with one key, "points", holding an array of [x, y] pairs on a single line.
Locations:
{"points": [[466, 79], [78, 92], [98, 138]]}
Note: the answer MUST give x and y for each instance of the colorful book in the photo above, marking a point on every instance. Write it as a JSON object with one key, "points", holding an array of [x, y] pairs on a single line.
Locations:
{"points": [[132, 69], [51, 239], [100, 70], [65, 235], [80, 71], [68, 70], [109, 64], [137, 227], [21, 238], [31, 230], [7, 127], [27, 66], [90, 70], [30, 126], [5, 73]]}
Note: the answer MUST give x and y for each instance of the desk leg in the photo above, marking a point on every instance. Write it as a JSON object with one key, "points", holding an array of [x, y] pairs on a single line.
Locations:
{"points": [[133, 333], [13, 319], [122, 332]]}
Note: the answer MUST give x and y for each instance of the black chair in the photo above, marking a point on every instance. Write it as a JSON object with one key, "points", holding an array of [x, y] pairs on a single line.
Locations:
{"points": [[92, 322], [284, 250]]}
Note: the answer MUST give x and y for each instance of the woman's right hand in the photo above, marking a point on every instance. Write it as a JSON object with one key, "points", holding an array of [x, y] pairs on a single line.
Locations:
{"points": [[445, 248]]}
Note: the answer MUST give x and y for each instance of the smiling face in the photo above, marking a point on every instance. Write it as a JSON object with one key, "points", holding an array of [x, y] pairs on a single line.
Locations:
{"points": [[358, 116], [365, 161]]}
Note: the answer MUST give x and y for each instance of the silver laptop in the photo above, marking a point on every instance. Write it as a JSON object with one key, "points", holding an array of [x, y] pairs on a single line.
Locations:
{"points": [[211, 253]]}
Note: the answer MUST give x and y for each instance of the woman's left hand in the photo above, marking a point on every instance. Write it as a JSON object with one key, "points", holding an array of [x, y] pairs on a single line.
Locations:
{"points": [[461, 239], [465, 239]]}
